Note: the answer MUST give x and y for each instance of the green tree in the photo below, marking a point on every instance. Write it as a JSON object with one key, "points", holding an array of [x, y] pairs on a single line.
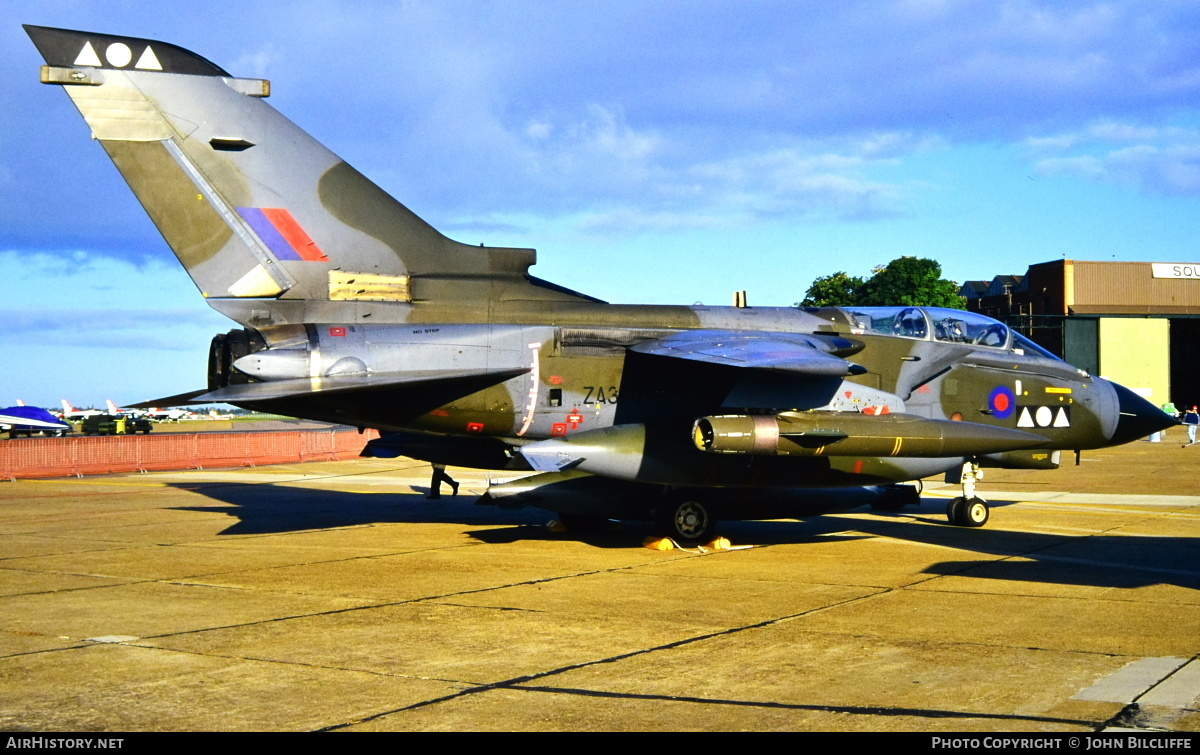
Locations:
{"points": [[907, 281], [910, 281], [837, 290]]}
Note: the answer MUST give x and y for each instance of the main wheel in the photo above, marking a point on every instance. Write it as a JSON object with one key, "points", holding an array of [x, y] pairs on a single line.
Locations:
{"points": [[688, 521]]}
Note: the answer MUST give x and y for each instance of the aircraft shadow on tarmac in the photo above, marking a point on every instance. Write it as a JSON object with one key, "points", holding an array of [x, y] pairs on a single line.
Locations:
{"points": [[1085, 560], [1099, 560], [263, 508]]}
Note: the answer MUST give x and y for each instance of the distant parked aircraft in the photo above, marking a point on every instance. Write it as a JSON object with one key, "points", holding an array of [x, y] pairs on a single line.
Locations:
{"points": [[168, 415], [27, 420], [119, 411], [71, 413]]}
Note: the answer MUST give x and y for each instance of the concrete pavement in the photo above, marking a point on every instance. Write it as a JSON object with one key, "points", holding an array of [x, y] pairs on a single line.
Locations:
{"points": [[334, 596]]}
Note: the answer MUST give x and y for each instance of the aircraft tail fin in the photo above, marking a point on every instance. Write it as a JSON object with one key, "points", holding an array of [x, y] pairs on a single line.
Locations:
{"points": [[254, 207]]}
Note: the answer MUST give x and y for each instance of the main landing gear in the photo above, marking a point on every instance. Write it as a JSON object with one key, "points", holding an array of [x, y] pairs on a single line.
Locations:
{"points": [[685, 520], [968, 510]]}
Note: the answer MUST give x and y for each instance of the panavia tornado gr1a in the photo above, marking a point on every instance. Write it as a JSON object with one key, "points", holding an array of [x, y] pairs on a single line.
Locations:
{"points": [[354, 310]]}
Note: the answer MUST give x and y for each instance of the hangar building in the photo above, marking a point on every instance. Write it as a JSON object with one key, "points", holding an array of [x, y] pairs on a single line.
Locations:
{"points": [[1137, 323]]}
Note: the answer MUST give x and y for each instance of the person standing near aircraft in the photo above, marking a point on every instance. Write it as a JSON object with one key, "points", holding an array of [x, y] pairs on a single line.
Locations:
{"points": [[435, 485], [1170, 410], [1191, 418]]}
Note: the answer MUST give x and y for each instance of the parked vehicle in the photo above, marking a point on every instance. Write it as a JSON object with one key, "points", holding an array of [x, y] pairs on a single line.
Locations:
{"points": [[107, 424]]}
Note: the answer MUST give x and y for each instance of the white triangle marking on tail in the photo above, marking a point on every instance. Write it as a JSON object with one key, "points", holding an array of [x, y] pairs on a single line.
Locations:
{"points": [[87, 56], [149, 61]]}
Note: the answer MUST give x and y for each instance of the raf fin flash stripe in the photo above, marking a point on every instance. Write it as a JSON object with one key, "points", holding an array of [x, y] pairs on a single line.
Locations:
{"points": [[282, 234]]}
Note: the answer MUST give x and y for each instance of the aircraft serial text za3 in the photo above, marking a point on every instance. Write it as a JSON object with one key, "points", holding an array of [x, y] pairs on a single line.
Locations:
{"points": [[354, 310]]}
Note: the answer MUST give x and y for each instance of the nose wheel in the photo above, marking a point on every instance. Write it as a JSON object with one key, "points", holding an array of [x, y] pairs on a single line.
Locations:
{"points": [[969, 510]]}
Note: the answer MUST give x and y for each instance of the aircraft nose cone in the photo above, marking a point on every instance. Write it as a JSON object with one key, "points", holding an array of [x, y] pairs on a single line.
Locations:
{"points": [[1138, 417]]}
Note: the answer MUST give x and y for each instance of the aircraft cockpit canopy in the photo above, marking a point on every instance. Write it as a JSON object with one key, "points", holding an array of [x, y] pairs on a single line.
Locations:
{"points": [[936, 323], [1023, 345], [945, 325]]}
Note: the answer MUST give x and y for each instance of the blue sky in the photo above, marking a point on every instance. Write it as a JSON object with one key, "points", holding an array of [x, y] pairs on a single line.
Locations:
{"points": [[651, 151]]}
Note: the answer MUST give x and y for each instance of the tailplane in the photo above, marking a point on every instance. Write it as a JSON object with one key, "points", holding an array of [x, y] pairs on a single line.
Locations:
{"points": [[254, 207]]}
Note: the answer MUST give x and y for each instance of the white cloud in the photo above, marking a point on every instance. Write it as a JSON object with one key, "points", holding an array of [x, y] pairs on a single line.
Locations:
{"points": [[1155, 159], [539, 130], [80, 300], [1111, 131], [167, 329], [605, 131], [631, 220], [599, 146], [474, 110], [1081, 167], [257, 63], [791, 181]]}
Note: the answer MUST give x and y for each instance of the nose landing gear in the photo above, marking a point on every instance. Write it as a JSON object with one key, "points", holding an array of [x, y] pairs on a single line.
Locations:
{"points": [[968, 510]]}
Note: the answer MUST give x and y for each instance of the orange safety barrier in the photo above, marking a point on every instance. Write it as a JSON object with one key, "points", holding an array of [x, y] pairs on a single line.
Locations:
{"points": [[60, 457]]}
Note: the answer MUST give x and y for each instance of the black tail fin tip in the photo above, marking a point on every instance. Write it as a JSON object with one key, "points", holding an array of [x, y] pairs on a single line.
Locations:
{"points": [[67, 48]]}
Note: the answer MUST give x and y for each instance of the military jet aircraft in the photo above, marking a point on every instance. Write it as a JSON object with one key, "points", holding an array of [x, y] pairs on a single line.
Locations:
{"points": [[69, 412], [354, 310]]}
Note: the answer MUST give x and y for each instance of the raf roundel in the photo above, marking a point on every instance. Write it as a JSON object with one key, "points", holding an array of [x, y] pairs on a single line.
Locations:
{"points": [[1002, 402]]}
